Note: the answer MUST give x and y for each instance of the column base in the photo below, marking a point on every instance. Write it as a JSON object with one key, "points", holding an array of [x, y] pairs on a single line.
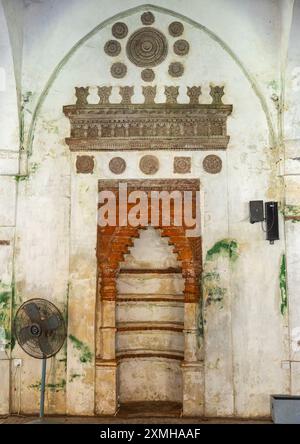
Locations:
{"points": [[106, 387], [193, 388]]}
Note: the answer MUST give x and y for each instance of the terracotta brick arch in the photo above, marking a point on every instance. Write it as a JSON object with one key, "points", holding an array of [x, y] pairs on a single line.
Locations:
{"points": [[114, 243]]}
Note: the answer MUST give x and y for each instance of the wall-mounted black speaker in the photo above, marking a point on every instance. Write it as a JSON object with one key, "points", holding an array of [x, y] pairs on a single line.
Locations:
{"points": [[271, 217]]}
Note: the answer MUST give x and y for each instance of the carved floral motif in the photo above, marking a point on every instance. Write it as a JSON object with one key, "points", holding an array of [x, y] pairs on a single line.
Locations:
{"points": [[81, 93], [176, 29], [194, 92], [104, 93], [85, 164], [182, 165], [117, 165], [118, 70], [217, 92], [212, 164], [126, 92], [171, 93], [119, 30], [149, 164], [149, 92]]}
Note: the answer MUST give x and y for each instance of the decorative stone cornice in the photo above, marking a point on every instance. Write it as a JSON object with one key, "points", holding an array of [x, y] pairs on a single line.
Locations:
{"points": [[148, 126]]}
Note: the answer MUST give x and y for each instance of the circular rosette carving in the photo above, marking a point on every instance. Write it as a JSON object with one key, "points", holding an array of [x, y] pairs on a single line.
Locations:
{"points": [[176, 29], [118, 70], [176, 69], [119, 30], [147, 18], [149, 164], [112, 48], [181, 47], [182, 165], [85, 164], [147, 47], [212, 164], [147, 75], [117, 165]]}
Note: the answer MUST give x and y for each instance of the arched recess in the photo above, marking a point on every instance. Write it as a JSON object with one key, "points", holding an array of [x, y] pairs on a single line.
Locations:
{"points": [[112, 244]]}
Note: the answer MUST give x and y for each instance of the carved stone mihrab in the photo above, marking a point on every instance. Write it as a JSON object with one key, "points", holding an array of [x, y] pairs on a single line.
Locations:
{"points": [[85, 164], [147, 18], [117, 165], [104, 93], [112, 48], [181, 47], [148, 75], [118, 70], [147, 47], [149, 164], [176, 69], [126, 92], [216, 92], [182, 165], [212, 164], [176, 29], [81, 93], [119, 30], [171, 93], [194, 92]]}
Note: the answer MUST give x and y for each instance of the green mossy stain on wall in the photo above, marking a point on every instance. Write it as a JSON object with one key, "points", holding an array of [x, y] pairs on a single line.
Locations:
{"points": [[52, 387], [282, 286], [225, 247], [7, 341], [85, 353]]}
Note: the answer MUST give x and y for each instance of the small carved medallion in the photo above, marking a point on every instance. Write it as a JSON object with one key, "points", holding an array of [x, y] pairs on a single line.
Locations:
{"points": [[194, 92], [176, 69], [112, 48], [119, 30], [181, 47], [104, 93], [85, 164], [217, 92], [149, 92], [117, 165], [149, 164], [147, 47], [176, 29], [171, 93], [147, 75], [212, 164], [147, 18], [126, 92], [81, 94], [182, 165], [118, 70]]}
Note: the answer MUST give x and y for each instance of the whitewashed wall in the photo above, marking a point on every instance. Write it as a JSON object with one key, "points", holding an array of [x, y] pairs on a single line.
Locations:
{"points": [[247, 353]]}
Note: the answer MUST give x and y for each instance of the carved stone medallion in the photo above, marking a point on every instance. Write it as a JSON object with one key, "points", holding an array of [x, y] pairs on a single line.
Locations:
{"points": [[112, 48], [147, 75], [181, 47], [149, 92], [182, 165], [147, 18], [176, 69], [176, 29], [171, 93], [118, 70], [147, 47], [149, 164], [85, 164], [117, 165], [119, 30], [212, 164]]}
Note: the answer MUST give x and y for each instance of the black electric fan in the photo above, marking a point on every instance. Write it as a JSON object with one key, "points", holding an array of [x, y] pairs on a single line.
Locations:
{"points": [[40, 330]]}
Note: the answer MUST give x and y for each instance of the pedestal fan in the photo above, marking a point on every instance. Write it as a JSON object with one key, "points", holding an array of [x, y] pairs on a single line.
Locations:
{"points": [[40, 330]]}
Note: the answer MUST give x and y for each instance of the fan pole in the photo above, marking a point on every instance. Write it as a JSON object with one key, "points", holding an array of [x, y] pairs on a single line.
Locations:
{"points": [[43, 383]]}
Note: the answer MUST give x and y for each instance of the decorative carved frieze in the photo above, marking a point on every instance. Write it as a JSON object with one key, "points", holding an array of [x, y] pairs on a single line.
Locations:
{"points": [[147, 47], [126, 126], [182, 165], [212, 164]]}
